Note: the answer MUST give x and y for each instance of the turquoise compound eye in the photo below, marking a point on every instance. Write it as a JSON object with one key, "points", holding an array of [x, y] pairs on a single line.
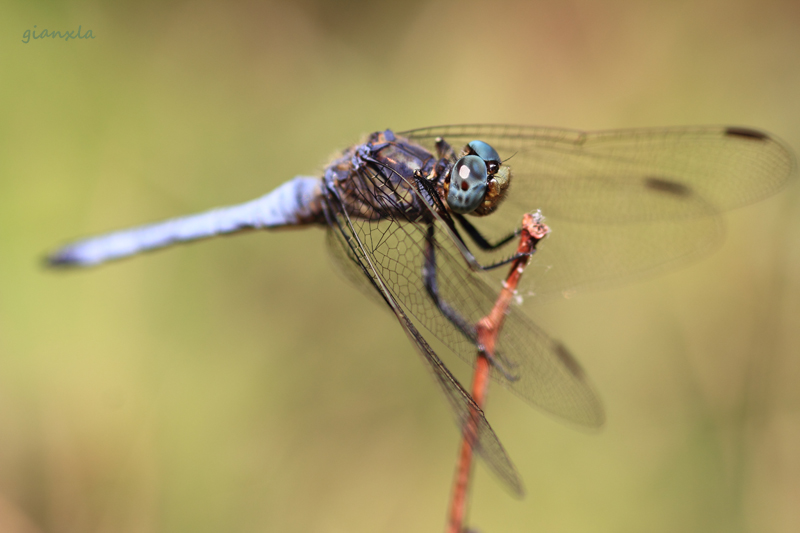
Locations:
{"points": [[485, 152], [468, 179]]}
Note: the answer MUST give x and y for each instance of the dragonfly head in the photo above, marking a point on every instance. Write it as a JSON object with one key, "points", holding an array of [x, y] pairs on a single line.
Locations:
{"points": [[477, 182]]}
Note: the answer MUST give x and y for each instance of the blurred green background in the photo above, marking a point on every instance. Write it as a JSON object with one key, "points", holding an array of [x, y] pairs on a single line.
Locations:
{"points": [[242, 385]]}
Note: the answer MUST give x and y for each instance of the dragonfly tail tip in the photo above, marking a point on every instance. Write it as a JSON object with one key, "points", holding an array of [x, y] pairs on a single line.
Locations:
{"points": [[60, 260]]}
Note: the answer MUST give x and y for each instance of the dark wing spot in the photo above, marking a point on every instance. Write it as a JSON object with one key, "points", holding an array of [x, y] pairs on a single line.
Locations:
{"points": [[667, 186], [747, 133], [569, 361]]}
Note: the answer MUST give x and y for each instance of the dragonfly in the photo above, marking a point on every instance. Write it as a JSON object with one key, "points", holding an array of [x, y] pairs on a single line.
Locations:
{"points": [[422, 220]]}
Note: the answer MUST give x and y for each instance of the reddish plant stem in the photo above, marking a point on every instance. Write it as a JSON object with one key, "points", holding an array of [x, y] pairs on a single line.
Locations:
{"points": [[488, 329]]}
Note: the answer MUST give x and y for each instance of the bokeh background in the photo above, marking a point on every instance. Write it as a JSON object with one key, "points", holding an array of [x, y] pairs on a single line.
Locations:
{"points": [[241, 385]]}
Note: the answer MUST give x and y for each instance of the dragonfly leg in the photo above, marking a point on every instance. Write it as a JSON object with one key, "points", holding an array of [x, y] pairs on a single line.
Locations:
{"points": [[484, 244], [497, 364], [481, 241], [505, 261], [432, 287]]}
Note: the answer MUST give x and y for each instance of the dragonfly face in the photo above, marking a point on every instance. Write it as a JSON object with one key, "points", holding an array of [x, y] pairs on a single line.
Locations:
{"points": [[478, 180], [469, 178]]}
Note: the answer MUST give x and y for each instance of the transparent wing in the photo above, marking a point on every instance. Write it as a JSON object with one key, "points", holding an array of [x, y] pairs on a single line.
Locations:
{"points": [[390, 253], [622, 203], [358, 263]]}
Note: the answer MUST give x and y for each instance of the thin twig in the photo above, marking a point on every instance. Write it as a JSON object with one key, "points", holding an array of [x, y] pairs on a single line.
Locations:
{"points": [[488, 329]]}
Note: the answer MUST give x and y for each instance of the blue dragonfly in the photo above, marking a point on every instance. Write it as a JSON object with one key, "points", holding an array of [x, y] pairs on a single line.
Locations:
{"points": [[422, 219]]}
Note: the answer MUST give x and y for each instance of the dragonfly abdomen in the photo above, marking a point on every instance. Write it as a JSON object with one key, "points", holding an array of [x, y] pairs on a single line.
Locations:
{"points": [[295, 203]]}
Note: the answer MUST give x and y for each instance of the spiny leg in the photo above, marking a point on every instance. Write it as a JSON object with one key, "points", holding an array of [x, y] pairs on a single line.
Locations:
{"points": [[484, 244], [432, 287], [481, 241]]}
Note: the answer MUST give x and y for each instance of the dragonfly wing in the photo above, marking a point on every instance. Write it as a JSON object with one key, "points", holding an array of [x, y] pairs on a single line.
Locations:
{"points": [[623, 203], [727, 166], [395, 249], [546, 375], [360, 263], [578, 255]]}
